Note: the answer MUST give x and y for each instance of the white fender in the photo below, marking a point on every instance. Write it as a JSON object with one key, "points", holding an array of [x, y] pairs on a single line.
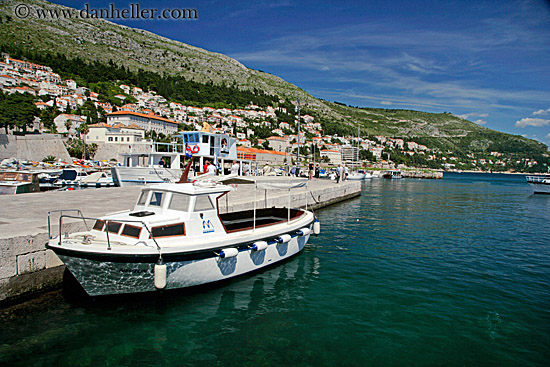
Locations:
{"points": [[283, 238], [160, 275], [259, 246], [304, 231], [316, 227], [228, 252]]}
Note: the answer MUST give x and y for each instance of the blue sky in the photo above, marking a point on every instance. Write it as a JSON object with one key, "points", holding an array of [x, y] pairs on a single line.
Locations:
{"points": [[488, 61]]}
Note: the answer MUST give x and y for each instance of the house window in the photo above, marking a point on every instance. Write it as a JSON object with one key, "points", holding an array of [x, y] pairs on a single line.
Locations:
{"points": [[110, 138], [116, 138]]}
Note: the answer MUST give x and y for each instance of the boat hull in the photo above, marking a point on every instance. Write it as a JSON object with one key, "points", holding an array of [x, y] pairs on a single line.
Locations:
{"points": [[539, 184], [129, 274], [139, 176], [539, 188], [356, 177]]}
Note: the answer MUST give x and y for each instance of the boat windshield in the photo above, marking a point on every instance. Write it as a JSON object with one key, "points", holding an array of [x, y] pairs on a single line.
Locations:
{"points": [[179, 202], [156, 198]]}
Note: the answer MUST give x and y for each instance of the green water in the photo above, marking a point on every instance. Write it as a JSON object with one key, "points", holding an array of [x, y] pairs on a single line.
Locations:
{"points": [[453, 272]]}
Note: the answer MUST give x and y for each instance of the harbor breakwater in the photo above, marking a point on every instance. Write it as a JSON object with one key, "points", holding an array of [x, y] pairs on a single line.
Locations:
{"points": [[27, 267], [422, 174]]}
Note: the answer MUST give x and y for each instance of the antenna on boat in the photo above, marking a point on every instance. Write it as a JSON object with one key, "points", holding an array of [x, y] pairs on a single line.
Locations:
{"points": [[185, 174]]}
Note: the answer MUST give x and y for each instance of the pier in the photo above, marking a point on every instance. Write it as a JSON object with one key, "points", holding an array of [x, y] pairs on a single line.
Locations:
{"points": [[27, 267]]}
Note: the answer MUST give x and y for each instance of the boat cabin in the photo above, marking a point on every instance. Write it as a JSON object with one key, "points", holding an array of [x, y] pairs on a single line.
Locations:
{"points": [[190, 210], [18, 182], [209, 145]]}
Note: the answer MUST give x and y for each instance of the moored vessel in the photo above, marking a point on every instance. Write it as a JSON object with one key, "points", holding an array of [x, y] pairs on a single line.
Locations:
{"points": [[176, 237], [539, 184]]}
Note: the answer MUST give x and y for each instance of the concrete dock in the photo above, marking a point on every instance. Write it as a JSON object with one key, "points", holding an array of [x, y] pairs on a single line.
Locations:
{"points": [[26, 267]]}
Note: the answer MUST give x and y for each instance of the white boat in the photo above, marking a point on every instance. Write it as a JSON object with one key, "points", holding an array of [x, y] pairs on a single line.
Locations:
{"points": [[72, 177], [176, 237], [18, 182], [368, 175], [539, 184], [356, 176], [143, 168], [392, 174]]}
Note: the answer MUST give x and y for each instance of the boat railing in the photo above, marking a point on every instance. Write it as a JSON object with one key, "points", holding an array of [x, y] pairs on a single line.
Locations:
{"points": [[536, 179], [107, 221]]}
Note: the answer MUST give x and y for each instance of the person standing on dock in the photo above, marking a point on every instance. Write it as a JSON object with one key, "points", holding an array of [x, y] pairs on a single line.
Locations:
{"points": [[346, 173], [317, 169], [235, 168], [338, 173], [211, 168]]}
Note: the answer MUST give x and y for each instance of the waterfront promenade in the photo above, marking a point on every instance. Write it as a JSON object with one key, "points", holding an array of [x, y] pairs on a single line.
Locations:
{"points": [[27, 267]]}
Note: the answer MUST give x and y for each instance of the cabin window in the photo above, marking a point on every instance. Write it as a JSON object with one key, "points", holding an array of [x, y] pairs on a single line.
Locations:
{"points": [[205, 139], [169, 230], [143, 198], [98, 226], [113, 227], [180, 202], [131, 231], [203, 203], [157, 198]]}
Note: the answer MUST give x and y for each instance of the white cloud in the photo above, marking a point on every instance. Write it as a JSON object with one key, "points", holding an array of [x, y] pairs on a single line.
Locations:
{"points": [[473, 114], [548, 136], [542, 112], [386, 103], [480, 122], [528, 121]]}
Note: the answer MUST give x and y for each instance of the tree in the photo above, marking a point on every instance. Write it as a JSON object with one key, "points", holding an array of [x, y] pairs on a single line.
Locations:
{"points": [[83, 130], [47, 116], [17, 110]]}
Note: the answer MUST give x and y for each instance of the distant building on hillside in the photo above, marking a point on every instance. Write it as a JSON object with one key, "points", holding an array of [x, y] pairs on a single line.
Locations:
{"points": [[146, 122], [65, 120], [120, 134]]}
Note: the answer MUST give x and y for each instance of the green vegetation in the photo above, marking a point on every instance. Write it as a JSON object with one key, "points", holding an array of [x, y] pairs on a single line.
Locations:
{"points": [[101, 55], [17, 110]]}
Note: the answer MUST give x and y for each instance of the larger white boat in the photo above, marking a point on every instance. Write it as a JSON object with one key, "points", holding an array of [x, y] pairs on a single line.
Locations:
{"points": [[176, 237], [142, 168], [540, 184]]}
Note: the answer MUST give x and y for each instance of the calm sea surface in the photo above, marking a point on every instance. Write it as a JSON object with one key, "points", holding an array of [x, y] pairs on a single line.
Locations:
{"points": [[451, 272]]}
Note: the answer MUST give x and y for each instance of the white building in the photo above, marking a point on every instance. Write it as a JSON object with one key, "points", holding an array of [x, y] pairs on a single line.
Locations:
{"points": [[120, 134], [62, 121], [334, 156], [146, 122]]}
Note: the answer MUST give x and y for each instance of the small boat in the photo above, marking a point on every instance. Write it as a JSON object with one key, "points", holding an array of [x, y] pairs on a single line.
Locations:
{"points": [[539, 184], [18, 182], [356, 176], [392, 174], [176, 237]]}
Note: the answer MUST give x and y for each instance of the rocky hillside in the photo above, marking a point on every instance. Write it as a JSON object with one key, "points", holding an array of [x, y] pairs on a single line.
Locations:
{"points": [[100, 40]]}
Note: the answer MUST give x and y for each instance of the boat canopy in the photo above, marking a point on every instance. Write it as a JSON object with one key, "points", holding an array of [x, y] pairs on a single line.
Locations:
{"points": [[265, 183]]}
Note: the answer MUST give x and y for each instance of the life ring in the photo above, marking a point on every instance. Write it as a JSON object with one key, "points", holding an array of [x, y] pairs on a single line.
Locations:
{"points": [[192, 150]]}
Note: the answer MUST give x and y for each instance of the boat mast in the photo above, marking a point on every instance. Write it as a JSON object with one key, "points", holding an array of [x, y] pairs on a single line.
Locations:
{"points": [[297, 109]]}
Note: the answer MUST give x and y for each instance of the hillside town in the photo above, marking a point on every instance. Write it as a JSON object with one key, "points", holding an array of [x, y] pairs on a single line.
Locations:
{"points": [[137, 116]]}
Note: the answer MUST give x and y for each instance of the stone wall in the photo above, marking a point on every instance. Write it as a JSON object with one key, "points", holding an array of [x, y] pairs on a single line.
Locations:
{"points": [[33, 147], [107, 151]]}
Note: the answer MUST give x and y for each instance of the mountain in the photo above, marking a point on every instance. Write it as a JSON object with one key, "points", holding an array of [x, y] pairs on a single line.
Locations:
{"points": [[98, 40]]}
